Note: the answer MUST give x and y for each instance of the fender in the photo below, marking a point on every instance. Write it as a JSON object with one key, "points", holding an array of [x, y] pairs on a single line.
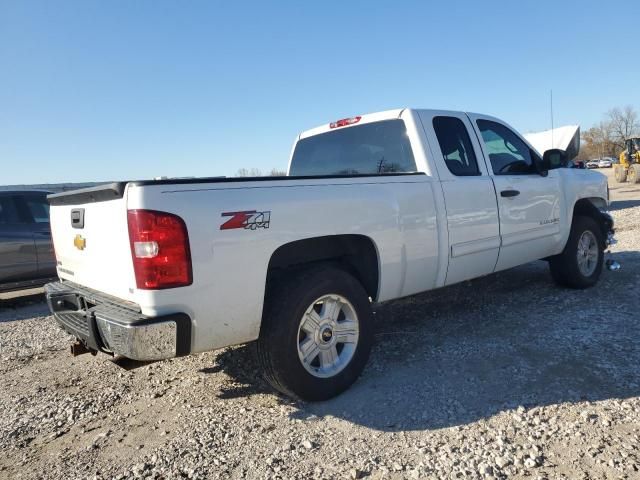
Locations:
{"points": [[587, 207]]}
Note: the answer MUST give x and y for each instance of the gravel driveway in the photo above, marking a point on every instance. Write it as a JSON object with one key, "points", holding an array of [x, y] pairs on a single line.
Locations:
{"points": [[502, 377]]}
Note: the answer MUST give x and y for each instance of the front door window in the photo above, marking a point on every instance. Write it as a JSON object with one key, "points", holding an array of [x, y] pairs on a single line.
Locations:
{"points": [[508, 154]]}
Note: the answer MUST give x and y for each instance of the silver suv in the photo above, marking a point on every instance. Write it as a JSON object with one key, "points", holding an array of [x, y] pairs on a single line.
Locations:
{"points": [[26, 250]]}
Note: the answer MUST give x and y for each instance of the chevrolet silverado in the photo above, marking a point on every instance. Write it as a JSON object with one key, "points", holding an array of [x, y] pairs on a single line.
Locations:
{"points": [[373, 208]]}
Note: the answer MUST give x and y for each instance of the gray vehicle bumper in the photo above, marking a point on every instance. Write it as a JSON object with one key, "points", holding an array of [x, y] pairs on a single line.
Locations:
{"points": [[106, 324]]}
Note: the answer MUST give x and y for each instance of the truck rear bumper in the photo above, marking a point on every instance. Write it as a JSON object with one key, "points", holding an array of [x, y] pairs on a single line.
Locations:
{"points": [[113, 326]]}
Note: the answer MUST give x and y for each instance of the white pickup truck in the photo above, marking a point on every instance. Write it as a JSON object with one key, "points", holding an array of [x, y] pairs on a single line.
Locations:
{"points": [[374, 208]]}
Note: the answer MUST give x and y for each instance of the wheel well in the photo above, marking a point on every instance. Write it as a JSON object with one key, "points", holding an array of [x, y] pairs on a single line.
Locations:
{"points": [[592, 207], [356, 253]]}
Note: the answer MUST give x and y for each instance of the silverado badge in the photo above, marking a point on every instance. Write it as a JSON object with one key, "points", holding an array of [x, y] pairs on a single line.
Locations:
{"points": [[79, 242]]}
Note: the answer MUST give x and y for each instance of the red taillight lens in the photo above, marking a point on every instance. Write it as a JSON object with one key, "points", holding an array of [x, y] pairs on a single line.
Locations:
{"points": [[160, 249], [344, 122]]}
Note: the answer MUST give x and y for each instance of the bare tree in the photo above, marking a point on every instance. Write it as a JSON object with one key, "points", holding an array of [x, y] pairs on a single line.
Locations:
{"points": [[256, 172], [623, 123], [607, 138], [244, 172], [599, 142]]}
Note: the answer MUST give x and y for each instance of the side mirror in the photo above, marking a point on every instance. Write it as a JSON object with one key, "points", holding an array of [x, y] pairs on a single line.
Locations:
{"points": [[542, 167], [554, 158]]}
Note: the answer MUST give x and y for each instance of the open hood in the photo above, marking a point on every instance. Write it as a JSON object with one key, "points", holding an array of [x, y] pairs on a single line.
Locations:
{"points": [[565, 138]]}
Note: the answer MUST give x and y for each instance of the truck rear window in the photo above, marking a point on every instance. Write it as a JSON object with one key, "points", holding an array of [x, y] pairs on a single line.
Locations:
{"points": [[372, 148]]}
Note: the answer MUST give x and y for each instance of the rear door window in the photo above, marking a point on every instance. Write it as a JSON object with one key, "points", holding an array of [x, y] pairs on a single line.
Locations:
{"points": [[373, 148], [456, 147]]}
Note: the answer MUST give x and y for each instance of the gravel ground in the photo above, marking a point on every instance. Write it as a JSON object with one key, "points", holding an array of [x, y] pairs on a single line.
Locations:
{"points": [[502, 377]]}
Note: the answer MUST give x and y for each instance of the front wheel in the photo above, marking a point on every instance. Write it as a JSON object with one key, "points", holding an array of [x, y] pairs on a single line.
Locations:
{"points": [[634, 173], [316, 333], [580, 263]]}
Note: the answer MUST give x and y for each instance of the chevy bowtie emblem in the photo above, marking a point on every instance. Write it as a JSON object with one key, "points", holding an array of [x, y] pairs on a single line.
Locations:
{"points": [[79, 242]]}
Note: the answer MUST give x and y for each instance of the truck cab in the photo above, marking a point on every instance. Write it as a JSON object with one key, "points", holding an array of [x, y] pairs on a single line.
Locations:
{"points": [[501, 203]]}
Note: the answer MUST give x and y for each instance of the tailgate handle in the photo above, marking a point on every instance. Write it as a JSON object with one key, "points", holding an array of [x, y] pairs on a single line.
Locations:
{"points": [[77, 218]]}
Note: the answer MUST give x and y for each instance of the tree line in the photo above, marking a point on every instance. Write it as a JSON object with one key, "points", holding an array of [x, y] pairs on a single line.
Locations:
{"points": [[256, 172], [607, 138]]}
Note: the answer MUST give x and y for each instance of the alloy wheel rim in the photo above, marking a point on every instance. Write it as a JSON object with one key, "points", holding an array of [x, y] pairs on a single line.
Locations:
{"points": [[328, 336], [587, 253]]}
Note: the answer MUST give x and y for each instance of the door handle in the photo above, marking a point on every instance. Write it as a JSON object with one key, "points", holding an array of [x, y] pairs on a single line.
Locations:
{"points": [[509, 193]]}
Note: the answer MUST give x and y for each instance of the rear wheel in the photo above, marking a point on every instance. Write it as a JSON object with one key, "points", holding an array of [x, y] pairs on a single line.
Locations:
{"points": [[620, 174], [580, 263], [316, 334], [634, 173]]}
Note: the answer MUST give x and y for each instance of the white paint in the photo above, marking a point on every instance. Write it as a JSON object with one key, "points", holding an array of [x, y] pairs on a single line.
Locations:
{"points": [[429, 230]]}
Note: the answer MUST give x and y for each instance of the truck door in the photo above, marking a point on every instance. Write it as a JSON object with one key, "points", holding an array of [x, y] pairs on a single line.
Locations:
{"points": [[18, 261], [470, 199], [36, 209], [530, 205]]}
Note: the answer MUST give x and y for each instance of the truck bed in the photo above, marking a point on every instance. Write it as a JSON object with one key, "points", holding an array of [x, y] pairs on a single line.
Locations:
{"points": [[230, 265], [114, 190]]}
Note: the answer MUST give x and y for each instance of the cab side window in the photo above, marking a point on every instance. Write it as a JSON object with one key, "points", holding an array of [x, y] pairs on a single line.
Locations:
{"points": [[38, 207], [8, 211], [456, 146], [508, 154]]}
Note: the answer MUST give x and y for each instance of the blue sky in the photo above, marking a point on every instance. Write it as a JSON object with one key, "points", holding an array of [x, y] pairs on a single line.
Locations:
{"points": [[107, 90]]}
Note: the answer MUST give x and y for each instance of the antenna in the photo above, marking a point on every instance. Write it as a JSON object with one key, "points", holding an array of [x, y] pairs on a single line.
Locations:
{"points": [[551, 95]]}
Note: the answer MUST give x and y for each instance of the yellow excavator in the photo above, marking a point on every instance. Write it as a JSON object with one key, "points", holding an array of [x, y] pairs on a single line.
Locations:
{"points": [[629, 166]]}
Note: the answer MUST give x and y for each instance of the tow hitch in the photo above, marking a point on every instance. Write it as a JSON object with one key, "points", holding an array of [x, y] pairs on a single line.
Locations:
{"points": [[79, 348]]}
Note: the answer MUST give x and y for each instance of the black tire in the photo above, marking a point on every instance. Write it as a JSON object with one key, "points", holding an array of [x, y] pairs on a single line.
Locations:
{"points": [[634, 173], [564, 267], [279, 336], [620, 174]]}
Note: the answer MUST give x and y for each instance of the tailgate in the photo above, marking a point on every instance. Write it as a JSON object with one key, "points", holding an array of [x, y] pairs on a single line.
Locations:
{"points": [[91, 239]]}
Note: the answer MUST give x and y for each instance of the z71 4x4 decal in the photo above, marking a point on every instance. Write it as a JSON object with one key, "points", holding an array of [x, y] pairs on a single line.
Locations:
{"points": [[249, 220]]}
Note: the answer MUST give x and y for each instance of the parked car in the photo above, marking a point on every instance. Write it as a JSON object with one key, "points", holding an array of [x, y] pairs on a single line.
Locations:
{"points": [[593, 164], [26, 251], [374, 208], [605, 163]]}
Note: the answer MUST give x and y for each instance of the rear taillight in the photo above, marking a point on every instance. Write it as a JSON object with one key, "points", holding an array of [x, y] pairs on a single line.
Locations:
{"points": [[160, 249]]}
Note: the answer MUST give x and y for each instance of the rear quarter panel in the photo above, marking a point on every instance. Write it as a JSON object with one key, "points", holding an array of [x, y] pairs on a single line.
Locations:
{"points": [[230, 266]]}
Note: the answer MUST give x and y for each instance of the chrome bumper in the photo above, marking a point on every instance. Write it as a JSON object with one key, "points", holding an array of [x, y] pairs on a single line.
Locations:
{"points": [[154, 341], [115, 327]]}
